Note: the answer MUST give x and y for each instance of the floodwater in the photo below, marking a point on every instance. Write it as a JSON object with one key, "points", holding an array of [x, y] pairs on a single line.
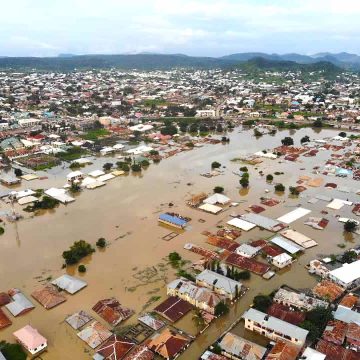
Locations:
{"points": [[133, 268]]}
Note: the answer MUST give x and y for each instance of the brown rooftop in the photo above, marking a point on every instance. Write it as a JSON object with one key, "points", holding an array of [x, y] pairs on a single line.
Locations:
{"points": [[115, 348], [112, 311], [335, 332], [173, 308], [4, 320], [328, 290], [285, 313], [4, 299], [283, 351], [140, 352], [247, 264], [48, 296]]}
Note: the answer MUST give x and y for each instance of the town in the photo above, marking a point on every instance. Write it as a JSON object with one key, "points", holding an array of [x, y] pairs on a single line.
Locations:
{"points": [[190, 214]]}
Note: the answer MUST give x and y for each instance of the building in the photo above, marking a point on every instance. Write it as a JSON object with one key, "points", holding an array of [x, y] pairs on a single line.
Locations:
{"points": [[283, 350], [200, 297], [171, 220], [75, 175], [31, 340], [29, 122], [298, 300], [235, 347], [347, 275], [282, 260], [205, 113], [220, 284], [273, 328], [318, 268]]}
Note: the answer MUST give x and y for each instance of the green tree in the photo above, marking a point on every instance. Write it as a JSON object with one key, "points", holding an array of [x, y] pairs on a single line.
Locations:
{"points": [[293, 191], [221, 309], [215, 165], [305, 139], [18, 172], [198, 319], [350, 226], [269, 178], [101, 242], [135, 167], [244, 182], [279, 187], [82, 268], [107, 166], [287, 141], [262, 302], [12, 351], [218, 189]]}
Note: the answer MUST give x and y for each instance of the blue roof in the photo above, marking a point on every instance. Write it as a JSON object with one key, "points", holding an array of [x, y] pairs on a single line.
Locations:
{"points": [[173, 219]]}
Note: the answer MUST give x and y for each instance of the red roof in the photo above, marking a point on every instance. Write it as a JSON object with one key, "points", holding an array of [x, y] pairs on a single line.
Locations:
{"points": [[247, 264], [335, 332], [112, 311], [115, 348], [4, 320], [284, 313], [4, 299], [173, 308]]}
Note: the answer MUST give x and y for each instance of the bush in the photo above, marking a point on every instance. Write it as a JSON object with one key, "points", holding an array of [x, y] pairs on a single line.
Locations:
{"points": [[294, 191], [221, 309], [2, 230], [186, 275], [218, 189], [145, 163], [107, 166], [153, 152], [244, 182], [18, 172], [77, 251], [136, 167], [287, 141], [215, 165], [269, 178], [279, 187], [305, 139], [244, 169], [75, 165], [12, 351], [350, 226], [243, 275], [262, 302], [101, 243], [82, 268], [342, 134]]}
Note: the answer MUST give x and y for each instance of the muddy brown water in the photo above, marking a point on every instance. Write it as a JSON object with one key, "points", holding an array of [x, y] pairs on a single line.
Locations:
{"points": [[133, 267]]}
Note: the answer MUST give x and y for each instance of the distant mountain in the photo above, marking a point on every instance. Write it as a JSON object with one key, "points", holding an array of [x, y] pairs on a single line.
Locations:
{"points": [[69, 62]]}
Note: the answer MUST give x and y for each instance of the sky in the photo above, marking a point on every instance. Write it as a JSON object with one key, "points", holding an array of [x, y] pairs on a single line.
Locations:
{"points": [[200, 28]]}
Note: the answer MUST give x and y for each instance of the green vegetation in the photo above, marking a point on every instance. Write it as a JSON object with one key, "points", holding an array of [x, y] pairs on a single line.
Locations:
{"points": [[244, 180], [75, 165], [342, 134], [45, 203], [77, 251], [18, 172], [216, 349], [73, 153], [242, 275], [305, 139], [101, 243], [186, 275], [318, 123], [262, 302], [169, 130], [287, 141], [95, 134], [257, 133], [75, 188], [349, 257], [108, 166], [244, 169], [279, 187], [174, 259], [145, 163], [121, 165], [136, 167], [350, 226], [218, 189], [269, 178], [2, 230], [221, 309], [316, 321], [294, 191], [198, 319], [12, 351], [82, 269], [215, 165]]}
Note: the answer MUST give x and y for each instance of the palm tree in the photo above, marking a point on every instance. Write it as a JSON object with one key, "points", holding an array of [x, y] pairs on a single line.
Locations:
{"points": [[198, 319]]}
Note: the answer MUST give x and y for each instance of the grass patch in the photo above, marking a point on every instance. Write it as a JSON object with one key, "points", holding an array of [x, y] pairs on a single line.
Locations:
{"points": [[95, 134]]}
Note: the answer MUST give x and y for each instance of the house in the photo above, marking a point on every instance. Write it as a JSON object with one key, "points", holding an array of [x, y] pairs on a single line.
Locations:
{"points": [[273, 328], [247, 250], [172, 220], [282, 260], [208, 355], [235, 347], [347, 315], [168, 344], [173, 308], [79, 319], [312, 354], [328, 290], [348, 275], [95, 334], [298, 300], [353, 336], [335, 332], [69, 283], [220, 284], [283, 350], [205, 113], [151, 322], [115, 348], [140, 352], [200, 297], [74, 176], [112, 311], [318, 268], [31, 340], [217, 199], [19, 304], [4, 320], [48, 296]]}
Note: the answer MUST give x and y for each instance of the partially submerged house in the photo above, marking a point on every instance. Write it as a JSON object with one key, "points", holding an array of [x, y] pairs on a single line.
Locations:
{"points": [[48, 296], [78, 319], [112, 311], [173, 308], [20, 304], [273, 328], [95, 334], [115, 348], [31, 340], [347, 275], [69, 283]]}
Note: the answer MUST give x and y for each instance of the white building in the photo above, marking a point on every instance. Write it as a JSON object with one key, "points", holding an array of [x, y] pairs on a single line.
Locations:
{"points": [[31, 340], [205, 113], [282, 260], [29, 122], [274, 328], [75, 175], [347, 275]]}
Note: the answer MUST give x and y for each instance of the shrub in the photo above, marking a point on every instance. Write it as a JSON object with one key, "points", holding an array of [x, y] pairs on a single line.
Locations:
{"points": [[18, 172], [107, 166], [77, 251], [145, 163], [279, 187], [244, 169], [215, 165], [101, 243], [269, 178], [262, 302], [135, 167], [12, 351], [287, 141], [218, 189], [342, 134], [221, 309], [305, 139], [294, 191], [243, 275], [82, 268], [350, 226], [2, 230], [244, 182]]}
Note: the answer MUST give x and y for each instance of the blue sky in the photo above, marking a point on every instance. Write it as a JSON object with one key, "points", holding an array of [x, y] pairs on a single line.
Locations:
{"points": [[201, 27]]}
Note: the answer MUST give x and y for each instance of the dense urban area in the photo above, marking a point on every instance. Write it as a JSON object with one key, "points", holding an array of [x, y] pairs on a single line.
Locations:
{"points": [[205, 214]]}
